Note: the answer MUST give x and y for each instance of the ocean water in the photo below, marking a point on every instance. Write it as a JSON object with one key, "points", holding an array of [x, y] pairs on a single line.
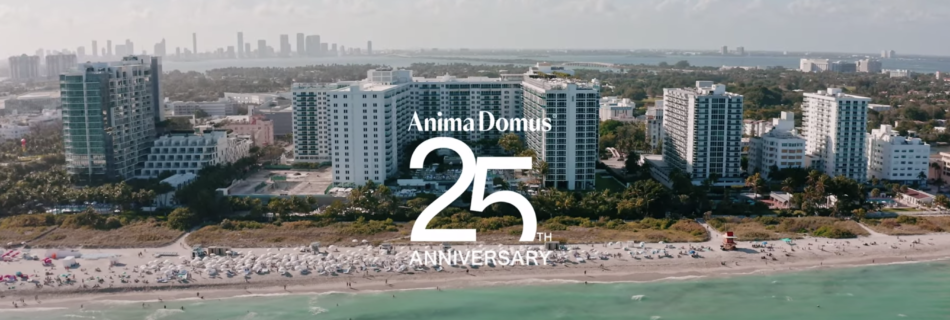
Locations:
{"points": [[912, 291]]}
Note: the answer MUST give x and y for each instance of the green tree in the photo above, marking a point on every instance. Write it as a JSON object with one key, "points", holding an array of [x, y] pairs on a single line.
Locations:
{"points": [[682, 64], [181, 219], [511, 143]]}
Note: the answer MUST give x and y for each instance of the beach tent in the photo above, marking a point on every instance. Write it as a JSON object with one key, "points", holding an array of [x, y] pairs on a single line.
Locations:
{"points": [[69, 261]]}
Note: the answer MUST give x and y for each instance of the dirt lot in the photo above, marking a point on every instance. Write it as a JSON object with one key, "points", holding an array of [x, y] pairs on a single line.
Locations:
{"points": [[17, 235]]}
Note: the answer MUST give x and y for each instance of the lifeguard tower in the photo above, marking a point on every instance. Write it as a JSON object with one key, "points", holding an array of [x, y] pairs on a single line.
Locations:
{"points": [[729, 242]]}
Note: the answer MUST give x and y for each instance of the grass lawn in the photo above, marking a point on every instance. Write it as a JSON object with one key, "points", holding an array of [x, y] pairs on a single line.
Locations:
{"points": [[608, 183]]}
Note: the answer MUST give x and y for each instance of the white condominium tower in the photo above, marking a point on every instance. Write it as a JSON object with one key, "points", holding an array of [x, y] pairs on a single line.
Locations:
{"points": [[453, 97], [834, 125], [109, 114], [364, 120], [570, 147], [895, 158], [311, 130], [702, 129]]}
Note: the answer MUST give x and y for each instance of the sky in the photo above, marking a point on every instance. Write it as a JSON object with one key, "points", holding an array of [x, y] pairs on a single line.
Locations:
{"points": [[863, 26]]}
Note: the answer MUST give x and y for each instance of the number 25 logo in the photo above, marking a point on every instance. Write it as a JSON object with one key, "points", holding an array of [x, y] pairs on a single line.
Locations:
{"points": [[472, 170]]}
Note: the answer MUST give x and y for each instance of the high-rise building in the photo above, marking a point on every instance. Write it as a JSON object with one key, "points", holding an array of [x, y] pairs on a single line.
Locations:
{"points": [[779, 148], [247, 49], [310, 121], [333, 51], [158, 91], [740, 51], [59, 63], [24, 67], [313, 45], [324, 48], [724, 50], [284, 45], [834, 126], [81, 52], [108, 135], [369, 48], [301, 45], [262, 48], [240, 46], [869, 66], [703, 132], [129, 48], [194, 43], [231, 53], [95, 48], [570, 147], [843, 66], [342, 50], [895, 158], [109, 48], [159, 49]]}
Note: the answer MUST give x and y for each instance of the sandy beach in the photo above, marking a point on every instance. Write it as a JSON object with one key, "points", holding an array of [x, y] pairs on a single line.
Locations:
{"points": [[777, 256]]}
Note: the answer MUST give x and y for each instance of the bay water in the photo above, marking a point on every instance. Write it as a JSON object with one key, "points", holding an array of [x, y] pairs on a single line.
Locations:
{"points": [[906, 291]]}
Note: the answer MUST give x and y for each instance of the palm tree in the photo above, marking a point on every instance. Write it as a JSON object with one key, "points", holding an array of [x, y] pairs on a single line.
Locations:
{"points": [[922, 177], [787, 185], [755, 181], [875, 192], [939, 183]]}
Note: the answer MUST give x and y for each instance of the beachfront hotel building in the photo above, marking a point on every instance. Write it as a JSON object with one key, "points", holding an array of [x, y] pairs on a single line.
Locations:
{"points": [[895, 158], [189, 153], [703, 131], [570, 147], [779, 148], [365, 121], [109, 114], [311, 130], [834, 125]]}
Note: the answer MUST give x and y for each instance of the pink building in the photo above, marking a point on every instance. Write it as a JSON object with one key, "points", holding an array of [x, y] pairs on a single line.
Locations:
{"points": [[260, 130]]}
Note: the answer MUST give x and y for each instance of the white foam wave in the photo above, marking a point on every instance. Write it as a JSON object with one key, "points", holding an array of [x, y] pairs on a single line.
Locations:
{"points": [[29, 310], [637, 297], [655, 317], [78, 316], [259, 295], [317, 310], [162, 313], [249, 315], [787, 298]]}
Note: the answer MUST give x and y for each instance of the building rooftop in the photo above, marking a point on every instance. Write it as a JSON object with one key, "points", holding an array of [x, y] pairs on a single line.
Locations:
{"points": [[887, 133], [836, 92], [558, 83], [179, 179], [917, 194]]}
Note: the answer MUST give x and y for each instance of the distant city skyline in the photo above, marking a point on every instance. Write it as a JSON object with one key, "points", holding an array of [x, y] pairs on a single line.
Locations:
{"points": [[856, 26]]}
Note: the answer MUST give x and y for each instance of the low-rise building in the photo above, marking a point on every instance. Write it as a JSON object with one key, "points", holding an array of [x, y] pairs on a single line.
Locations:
{"points": [[879, 107], [895, 158], [220, 108], [189, 153], [779, 148], [756, 128], [263, 99], [617, 108], [260, 130], [915, 198], [177, 181]]}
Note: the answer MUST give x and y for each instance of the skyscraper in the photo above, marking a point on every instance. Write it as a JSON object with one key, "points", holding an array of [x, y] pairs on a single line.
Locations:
{"points": [[703, 132], [194, 43], [324, 48], [247, 50], [740, 51], [301, 45], [129, 47], [261, 48], [109, 48], [24, 67], [240, 46], [834, 127], [57, 64], [159, 49], [107, 135], [284, 45], [333, 51], [95, 48], [313, 45], [81, 52], [724, 50], [369, 48]]}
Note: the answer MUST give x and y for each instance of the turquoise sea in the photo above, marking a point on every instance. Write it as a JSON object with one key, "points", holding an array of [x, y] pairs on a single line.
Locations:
{"points": [[911, 291]]}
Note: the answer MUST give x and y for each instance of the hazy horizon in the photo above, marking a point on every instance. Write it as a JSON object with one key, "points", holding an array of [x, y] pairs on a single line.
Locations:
{"points": [[854, 26]]}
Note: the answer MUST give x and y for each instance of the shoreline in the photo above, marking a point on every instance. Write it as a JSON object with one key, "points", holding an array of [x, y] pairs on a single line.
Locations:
{"points": [[374, 284]]}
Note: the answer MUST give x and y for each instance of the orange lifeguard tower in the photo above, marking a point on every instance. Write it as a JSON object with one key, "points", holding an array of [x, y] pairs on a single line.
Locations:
{"points": [[729, 242]]}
